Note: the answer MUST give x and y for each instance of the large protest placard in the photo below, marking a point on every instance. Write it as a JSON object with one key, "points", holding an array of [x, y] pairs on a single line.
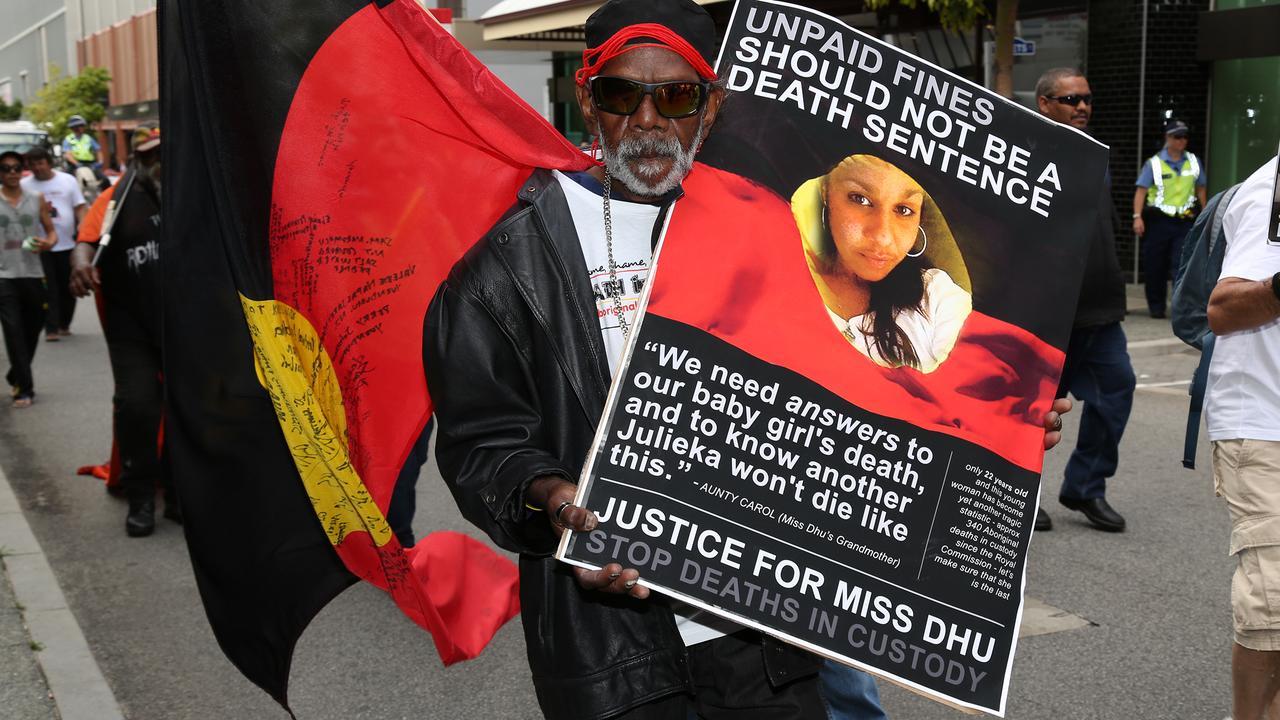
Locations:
{"points": [[828, 423]]}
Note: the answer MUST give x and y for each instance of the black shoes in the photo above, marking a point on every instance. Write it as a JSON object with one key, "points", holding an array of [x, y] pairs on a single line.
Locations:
{"points": [[1043, 521], [141, 520], [1098, 511]]}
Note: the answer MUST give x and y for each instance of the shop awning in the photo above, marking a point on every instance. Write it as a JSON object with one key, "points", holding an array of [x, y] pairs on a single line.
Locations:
{"points": [[545, 20]]}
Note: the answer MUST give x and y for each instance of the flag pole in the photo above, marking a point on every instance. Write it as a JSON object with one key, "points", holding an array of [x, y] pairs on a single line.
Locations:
{"points": [[109, 219]]}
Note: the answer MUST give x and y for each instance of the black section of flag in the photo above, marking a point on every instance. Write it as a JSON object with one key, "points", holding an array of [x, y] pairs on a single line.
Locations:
{"points": [[262, 562]]}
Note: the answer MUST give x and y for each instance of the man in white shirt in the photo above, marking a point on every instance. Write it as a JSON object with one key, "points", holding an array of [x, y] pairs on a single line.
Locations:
{"points": [[67, 207], [1243, 413], [519, 345]]}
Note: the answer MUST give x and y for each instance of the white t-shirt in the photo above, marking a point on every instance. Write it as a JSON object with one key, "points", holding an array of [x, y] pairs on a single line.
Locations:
{"points": [[632, 253], [64, 192], [932, 330], [633, 225], [1243, 396]]}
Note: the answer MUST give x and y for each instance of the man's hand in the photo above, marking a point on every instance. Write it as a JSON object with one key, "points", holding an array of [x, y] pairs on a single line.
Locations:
{"points": [[1053, 422], [45, 244], [1139, 227], [555, 495], [84, 276]]}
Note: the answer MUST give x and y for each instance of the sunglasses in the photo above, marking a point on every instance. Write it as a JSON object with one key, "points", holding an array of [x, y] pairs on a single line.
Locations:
{"points": [[1072, 100], [7, 168], [675, 99]]}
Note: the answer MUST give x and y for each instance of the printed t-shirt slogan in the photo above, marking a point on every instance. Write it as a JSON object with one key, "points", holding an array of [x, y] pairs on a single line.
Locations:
{"points": [[828, 423]]}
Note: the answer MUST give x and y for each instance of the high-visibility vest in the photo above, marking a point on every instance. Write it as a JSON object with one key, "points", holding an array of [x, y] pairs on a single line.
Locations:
{"points": [[82, 147], [1174, 192]]}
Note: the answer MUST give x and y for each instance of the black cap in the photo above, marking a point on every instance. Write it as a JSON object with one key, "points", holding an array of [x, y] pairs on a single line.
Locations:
{"points": [[1176, 128], [683, 17]]}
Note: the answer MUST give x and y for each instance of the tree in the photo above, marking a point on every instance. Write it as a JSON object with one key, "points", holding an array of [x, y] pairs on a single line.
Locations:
{"points": [[84, 95], [960, 15], [956, 15], [10, 112], [1006, 17]]}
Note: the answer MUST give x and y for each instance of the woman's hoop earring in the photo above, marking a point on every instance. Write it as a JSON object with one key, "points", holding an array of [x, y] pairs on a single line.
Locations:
{"points": [[824, 217], [923, 245]]}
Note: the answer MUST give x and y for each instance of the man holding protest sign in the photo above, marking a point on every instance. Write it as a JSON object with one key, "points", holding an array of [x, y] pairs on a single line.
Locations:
{"points": [[1097, 369], [519, 375]]}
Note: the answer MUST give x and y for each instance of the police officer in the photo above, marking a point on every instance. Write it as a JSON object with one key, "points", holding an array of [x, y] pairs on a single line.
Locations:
{"points": [[80, 148], [1168, 187]]}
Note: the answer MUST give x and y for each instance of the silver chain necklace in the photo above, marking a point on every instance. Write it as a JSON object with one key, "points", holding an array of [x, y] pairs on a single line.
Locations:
{"points": [[614, 286]]}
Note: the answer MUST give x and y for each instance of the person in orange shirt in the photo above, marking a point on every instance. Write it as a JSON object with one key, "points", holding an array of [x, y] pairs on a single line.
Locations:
{"points": [[91, 226], [89, 232]]}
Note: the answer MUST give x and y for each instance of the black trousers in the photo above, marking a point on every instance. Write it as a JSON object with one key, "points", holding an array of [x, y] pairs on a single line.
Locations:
{"points": [[731, 684], [133, 345], [1161, 251], [404, 496], [62, 304], [21, 317]]}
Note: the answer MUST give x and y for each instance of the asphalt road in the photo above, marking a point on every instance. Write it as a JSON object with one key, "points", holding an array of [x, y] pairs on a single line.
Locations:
{"points": [[1156, 597]]}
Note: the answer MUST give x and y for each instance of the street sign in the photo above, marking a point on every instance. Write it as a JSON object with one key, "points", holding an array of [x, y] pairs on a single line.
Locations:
{"points": [[1023, 47]]}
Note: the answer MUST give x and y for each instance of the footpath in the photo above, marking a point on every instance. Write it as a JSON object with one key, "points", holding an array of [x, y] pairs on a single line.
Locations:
{"points": [[47, 671]]}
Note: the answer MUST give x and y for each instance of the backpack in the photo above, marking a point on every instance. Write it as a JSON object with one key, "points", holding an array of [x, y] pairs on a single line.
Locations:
{"points": [[1202, 252]]}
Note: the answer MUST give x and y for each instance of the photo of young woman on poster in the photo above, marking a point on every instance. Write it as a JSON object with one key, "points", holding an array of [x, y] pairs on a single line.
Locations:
{"points": [[885, 262]]}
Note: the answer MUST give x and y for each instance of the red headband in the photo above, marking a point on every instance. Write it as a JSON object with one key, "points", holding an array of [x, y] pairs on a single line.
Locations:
{"points": [[595, 58]]}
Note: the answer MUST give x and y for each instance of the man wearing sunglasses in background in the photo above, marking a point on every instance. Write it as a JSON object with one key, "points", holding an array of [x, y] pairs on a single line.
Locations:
{"points": [[521, 341], [1097, 368]]}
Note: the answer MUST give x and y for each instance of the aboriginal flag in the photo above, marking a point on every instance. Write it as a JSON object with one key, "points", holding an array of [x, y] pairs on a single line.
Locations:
{"points": [[326, 162]]}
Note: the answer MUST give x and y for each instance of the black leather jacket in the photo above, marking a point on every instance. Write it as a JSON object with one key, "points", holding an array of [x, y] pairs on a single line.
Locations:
{"points": [[517, 370]]}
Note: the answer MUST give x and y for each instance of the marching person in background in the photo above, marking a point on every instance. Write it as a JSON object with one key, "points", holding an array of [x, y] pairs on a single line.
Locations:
{"points": [[25, 231], [1097, 368], [67, 207], [1164, 205], [128, 273], [1243, 417]]}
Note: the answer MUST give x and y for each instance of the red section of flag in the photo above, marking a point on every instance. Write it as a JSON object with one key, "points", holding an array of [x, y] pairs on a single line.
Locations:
{"points": [[102, 472], [733, 264], [399, 152]]}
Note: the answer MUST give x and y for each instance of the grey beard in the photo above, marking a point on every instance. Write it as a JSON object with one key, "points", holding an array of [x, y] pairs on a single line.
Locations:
{"points": [[645, 182]]}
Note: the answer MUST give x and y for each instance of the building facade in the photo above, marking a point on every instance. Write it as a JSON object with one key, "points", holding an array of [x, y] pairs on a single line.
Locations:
{"points": [[127, 46], [33, 40]]}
